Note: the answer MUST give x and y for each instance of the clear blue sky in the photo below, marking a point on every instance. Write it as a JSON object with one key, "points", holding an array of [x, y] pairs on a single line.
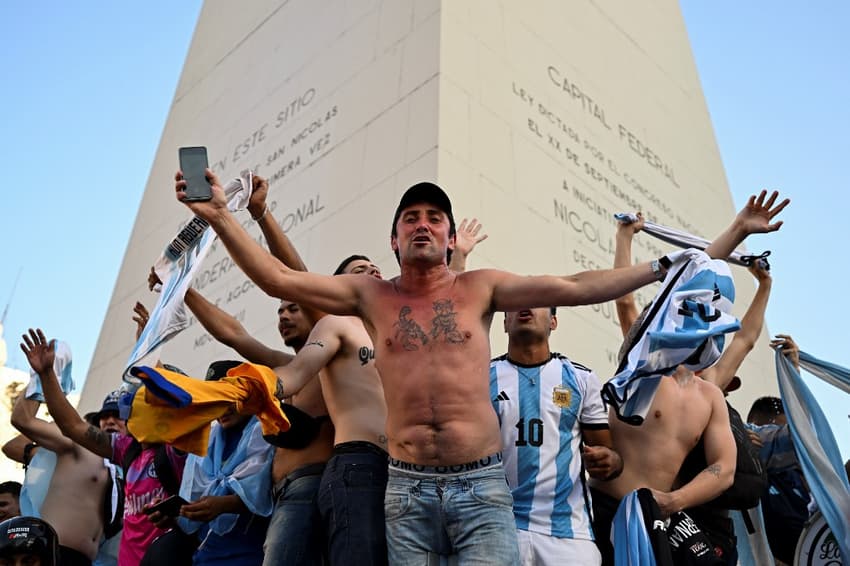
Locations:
{"points": [[87, 87]]}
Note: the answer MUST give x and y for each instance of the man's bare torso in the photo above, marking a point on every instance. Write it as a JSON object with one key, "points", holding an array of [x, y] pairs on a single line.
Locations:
{"points": [[432, 350], [286, 460], [351, 385], [654, 451], [77, 490]]}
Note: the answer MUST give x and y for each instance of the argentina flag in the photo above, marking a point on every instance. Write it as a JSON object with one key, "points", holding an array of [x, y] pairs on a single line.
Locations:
{"points": [[62, 364], [814, 442], [685, 324], [638, 532], [176, 268], [683, 239]]}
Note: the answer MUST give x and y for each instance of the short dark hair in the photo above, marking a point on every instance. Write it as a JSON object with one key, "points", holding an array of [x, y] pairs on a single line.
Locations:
{"points": [[12, 487], [354, 257], [766, 407], [553, 310]]}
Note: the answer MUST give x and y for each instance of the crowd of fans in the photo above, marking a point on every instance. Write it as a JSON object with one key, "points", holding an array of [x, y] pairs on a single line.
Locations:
{"points": [[403, 447]]}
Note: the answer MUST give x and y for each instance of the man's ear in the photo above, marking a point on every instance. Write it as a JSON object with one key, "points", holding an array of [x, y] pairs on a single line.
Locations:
{"points": [[553, 322], [452, 241], [394, 243]]}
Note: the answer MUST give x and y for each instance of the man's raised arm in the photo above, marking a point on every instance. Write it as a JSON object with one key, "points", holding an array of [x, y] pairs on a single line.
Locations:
{"points": [[41, 432], [279, 243], [230, 332], [744, 341], [40, 354], [514, 292], [754, 218], [337, 295], [227, 330], [627, 311], [466, 239]]}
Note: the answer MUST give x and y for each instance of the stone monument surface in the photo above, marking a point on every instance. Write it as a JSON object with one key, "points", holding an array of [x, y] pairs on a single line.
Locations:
{"points": [[540, 119]]}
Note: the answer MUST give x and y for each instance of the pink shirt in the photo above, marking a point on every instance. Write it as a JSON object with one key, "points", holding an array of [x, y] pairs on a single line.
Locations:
{"points": [[141, 488]]}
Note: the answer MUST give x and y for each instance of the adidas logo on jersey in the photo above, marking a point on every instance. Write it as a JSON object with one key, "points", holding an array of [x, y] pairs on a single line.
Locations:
{"points": [[502, 396]]}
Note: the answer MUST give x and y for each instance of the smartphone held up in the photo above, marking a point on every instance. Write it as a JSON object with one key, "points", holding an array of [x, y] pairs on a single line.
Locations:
{"points": [[193, 164]]}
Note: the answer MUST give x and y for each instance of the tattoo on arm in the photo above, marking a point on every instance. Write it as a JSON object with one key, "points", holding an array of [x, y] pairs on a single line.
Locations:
{"points": [[318, 343], [713, 469], [364, 354], [102, 440]]}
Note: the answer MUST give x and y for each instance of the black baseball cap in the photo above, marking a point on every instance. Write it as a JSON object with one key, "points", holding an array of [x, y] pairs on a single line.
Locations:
{"points": [[425, 192]]}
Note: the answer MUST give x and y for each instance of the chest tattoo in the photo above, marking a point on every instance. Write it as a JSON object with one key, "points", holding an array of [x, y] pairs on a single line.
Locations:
{"points": [[408, 331], [444, 323], [443, 327]]}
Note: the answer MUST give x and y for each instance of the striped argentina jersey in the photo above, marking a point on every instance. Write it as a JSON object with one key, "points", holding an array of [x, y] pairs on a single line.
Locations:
{"points": [[540, 408]]}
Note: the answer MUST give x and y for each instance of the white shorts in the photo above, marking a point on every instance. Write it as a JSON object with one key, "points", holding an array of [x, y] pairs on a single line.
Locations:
{"points": [[537, 549]]}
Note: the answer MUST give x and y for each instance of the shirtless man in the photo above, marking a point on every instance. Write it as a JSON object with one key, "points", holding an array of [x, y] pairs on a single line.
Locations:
{"points": [[351, 495], [685, 408], [443, 435], [73, 504]]}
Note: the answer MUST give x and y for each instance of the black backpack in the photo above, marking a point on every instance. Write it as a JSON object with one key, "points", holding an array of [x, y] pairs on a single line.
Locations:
{"points": [[113, 523]]}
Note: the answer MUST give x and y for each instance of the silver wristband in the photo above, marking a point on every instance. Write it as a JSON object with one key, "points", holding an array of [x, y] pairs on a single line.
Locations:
{"points": [[657, 269]]}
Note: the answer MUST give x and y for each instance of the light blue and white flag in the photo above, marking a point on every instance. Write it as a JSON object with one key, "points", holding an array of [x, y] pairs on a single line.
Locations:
{"points": [[685, 325], [176, 268], [62, 364], [246, 472], [36, 482], [682, 239], [753, 548], [814, 442], [635, 524]]}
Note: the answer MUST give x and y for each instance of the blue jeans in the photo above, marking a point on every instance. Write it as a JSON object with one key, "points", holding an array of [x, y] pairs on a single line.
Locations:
{"points": [[351, 502], [431, 514], [242, 546], [295, 536]]}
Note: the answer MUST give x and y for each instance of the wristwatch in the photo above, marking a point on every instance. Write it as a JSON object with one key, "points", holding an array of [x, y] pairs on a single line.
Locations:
{"points": [[657, 269]]}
